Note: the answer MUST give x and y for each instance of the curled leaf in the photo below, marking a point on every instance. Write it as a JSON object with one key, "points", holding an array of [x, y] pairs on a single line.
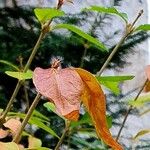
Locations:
{"points": [[63, 87], [94, 100]]}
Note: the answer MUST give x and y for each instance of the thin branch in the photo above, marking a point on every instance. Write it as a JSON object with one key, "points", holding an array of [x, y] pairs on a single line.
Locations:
{"points": [[129, 30], [26, 119], [129, 110], [63, 135]]}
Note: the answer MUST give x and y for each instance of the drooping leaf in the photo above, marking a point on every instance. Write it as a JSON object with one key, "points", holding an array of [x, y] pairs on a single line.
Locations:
{"points": [[63, 87], [9, 64], [82, 34], [94, 100], [20, 75], [45, 14], [141, 133], [109, 10], [144, 27], [34, 142], [9, 146]]}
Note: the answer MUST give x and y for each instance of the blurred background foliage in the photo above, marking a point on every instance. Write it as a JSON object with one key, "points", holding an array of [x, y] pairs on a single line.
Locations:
{"points": [[19, 31]]}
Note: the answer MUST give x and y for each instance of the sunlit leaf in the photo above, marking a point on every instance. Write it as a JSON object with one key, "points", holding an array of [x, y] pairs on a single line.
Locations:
{"points": [[9, 64], [109, 10], [82, 34], [9, 146], [20, 75], [94, 100], [141, 133], [144, 27], [50, 106], [45, 14]]}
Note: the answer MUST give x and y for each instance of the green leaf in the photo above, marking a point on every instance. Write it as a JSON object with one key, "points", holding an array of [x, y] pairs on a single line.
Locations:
{"points": [[20, 75], [82, 34], [112, 82], [41, 125], [38, 114], [9, 64], [109, 10], [144, 27], [141, 133], [141, 101], [45, 14], [114, 78], [9, 146], [50, 106]]}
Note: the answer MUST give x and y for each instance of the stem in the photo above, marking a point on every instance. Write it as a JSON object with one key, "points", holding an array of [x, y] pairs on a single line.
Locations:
{"points": [[63, 136], [129, 110], [2, 118], [129, 30], [112, 54], [83, 56], [26, 119]]}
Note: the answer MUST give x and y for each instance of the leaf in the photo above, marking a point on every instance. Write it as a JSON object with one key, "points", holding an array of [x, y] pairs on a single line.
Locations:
{"points": [[20, 75], [113, 86], [141, 133], [9, 146], [109, 10], [50, 106], [45, 14], [9, 64], [114, 78], [144, 27], [82, 34], [41, 125], [142, 100], [94, 100], [34, 142], [112, 82], [13, 125], [63, 87]]}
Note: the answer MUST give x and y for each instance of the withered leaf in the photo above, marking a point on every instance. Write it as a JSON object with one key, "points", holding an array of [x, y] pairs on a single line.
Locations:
{"points": [[94, 100]]}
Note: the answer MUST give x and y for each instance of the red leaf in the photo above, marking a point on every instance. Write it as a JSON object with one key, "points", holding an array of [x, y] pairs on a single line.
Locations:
{"points": [[62, 86], [94, 100]]}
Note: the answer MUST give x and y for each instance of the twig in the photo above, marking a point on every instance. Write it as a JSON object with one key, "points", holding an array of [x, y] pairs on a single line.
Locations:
{"points": [[26, 119], [63, 136], [129, 110], [129, 30]]}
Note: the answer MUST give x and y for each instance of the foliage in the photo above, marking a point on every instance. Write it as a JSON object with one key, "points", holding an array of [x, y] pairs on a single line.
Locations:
{"points": [[20, 22]]}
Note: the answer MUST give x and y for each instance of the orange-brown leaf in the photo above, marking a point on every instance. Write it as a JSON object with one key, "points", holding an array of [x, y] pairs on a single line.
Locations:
{"points": [[62, 86], [147, 70], [94, 100]]}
